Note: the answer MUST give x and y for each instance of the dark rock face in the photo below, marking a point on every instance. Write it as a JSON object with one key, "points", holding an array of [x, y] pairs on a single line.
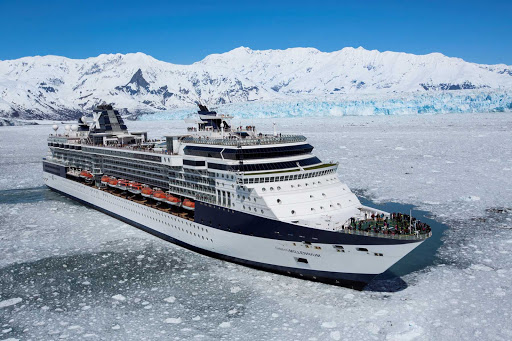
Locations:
{"points": [[447, 86], [139, 80], [135, 85]]}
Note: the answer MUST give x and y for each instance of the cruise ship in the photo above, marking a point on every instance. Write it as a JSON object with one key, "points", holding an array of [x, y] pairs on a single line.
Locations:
{"points": [[233, 193]]}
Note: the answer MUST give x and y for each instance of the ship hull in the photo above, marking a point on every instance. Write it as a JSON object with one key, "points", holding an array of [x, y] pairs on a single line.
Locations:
{"points": [[347, 264]]}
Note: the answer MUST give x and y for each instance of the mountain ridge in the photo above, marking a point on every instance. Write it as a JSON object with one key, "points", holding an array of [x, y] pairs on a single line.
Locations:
{"points": [[49, 87]]}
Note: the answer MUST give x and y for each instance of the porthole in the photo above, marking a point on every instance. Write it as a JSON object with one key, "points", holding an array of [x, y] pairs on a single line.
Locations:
{"points": [[261, 211], [312, 209], [324, 194], [311, 195], [244, 207], [254, 199], [271, 188], [278, 201], [263, 189], [278, 188], [293, 212]]}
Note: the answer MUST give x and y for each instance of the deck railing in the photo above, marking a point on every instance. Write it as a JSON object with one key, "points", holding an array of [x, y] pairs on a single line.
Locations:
{"points": [[248, 141], [419, 236]]}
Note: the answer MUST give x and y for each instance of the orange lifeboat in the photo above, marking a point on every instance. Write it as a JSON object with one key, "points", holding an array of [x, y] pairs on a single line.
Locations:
{"points": [[172, 200], [134, 187], [146, 192], [188, 205], [105, 179], [122, 184], [159, 195], [86, 175], [112, 182]]}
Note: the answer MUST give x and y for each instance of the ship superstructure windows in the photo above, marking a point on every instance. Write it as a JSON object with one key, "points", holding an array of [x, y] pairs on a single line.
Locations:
{"points": [[249, 153], [265, 166]]}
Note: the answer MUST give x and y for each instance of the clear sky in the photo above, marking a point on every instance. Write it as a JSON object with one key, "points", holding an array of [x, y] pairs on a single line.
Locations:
{"points": [[186, 31]]}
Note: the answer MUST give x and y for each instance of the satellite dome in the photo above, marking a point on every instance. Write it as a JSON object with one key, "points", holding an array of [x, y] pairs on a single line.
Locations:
{"points": [[67, 127], [55, 127], [83, 119], [74, 127]]}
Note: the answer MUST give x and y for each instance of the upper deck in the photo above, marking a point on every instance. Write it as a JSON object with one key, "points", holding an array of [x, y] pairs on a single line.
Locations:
{"points": [[233, 140]]}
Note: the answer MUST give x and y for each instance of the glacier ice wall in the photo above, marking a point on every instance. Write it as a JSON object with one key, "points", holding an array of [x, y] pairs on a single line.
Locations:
{"points": [[441, 102]]}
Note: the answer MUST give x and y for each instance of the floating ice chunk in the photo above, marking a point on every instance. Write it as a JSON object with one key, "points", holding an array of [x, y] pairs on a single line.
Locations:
{"points": [[381, 313], [373, 328], [409, 332], [10, 301], [116, 327], [196, 318], [335, 335], [234, 311], [119, 297], [170, 299], [234, 290], [481, 267], [470, 198], [173, 320], [140, 256], [331, 324], [399, 148], [225, 325], [349, 296]]}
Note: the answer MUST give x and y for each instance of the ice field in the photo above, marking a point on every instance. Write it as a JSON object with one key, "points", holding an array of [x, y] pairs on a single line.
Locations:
{"points": [[67, 271]]}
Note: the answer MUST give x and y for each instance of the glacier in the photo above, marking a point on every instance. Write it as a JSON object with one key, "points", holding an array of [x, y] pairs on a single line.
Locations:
{"points": [[439, 102], [68, 271]]}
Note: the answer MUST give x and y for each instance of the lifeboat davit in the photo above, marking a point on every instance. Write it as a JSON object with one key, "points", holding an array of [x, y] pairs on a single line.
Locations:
{"points": [[146, 192], [172, 200], [112, 182], [159, 195], [105, 180], [134, 187], [188, 205], [122, 184], [86, 175]]}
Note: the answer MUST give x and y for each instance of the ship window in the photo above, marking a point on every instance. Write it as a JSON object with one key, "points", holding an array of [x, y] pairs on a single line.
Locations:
{"points": [[271, 188], [302, 260], [263, 189], [278, 188], [293, 212], [278, 201], [362, 249], [378, 254]]}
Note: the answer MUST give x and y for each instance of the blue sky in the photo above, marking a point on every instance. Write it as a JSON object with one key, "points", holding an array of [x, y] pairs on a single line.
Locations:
{"points": [[186, 31]]}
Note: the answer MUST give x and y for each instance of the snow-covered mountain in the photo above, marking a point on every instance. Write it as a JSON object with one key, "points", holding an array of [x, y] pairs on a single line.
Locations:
{"points": [[58, 87]]}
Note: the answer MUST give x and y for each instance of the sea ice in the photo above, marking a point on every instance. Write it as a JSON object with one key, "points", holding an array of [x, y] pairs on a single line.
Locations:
{"points": [[459, 296]]}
